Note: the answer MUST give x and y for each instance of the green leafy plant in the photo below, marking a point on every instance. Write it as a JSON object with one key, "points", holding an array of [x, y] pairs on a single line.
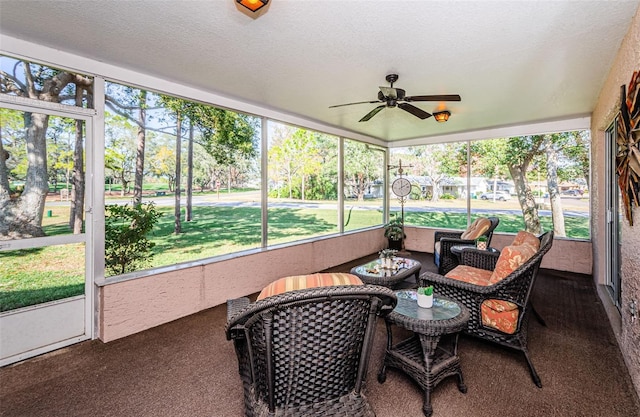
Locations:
{"points": [[426, 290], [394, 230], [387, 253], [127, 248]]}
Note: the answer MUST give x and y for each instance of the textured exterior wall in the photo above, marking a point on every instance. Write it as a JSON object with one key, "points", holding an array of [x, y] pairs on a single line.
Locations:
{"points": [[564, 255], [130, 306], [134, 305], [627, 61]]}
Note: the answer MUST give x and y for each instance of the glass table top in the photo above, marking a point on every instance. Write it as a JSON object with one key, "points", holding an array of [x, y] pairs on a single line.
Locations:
{"points": [[443, 309], [374, 268]]}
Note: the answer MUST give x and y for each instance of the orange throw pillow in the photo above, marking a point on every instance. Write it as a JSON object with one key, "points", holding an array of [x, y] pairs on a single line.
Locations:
{"points": [[299, 282], [511, 258], [478, 228], [526, 238], [501, 315]]}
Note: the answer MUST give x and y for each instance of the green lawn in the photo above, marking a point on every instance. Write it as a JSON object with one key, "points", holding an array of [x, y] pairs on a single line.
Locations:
{"points": [[34, 276]]}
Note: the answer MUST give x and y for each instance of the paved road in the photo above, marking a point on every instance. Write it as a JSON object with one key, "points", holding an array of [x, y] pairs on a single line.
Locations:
{"points": [[212, 201]]}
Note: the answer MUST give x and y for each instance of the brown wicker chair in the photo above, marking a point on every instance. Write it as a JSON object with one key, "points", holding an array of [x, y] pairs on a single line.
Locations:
{"points": [[444, 259], [306, 352], [515, 288]]}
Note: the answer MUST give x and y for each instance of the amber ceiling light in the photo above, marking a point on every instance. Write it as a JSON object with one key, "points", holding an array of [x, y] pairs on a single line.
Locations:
{"points": [[253, 5], [441, 116]]}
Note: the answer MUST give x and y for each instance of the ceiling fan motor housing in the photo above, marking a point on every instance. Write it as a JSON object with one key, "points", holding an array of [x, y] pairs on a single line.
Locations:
{"points": [[396, 97]]}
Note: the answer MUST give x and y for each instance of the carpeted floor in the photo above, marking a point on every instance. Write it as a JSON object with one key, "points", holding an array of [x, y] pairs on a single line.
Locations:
{"points": [[188, 368]]}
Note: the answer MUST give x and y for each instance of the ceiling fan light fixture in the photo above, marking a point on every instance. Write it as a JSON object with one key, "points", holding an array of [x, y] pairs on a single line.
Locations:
{"points": [[253, 5], [442, 116]]}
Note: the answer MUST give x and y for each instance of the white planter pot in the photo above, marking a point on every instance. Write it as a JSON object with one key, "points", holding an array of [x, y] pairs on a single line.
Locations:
{"points": [[425, 301]]}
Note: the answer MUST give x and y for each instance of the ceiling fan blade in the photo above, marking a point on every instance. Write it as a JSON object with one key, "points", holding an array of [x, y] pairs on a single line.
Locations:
{"points": [[414, 110], [372, 113], [435, 97], [389, 92], [357, 102]]}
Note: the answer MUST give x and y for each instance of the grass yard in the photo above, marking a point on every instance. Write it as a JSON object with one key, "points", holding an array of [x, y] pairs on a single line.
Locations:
{"points": [[35, 276]]}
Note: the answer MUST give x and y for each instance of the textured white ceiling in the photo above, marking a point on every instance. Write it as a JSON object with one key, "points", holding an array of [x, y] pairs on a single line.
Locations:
{"points": [[513, 62]]}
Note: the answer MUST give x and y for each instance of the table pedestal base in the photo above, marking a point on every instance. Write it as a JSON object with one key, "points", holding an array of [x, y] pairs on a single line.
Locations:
{"points": [[425, 362]]}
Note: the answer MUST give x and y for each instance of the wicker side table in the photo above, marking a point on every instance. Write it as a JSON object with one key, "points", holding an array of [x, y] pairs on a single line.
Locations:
{"points": [[421, 356]]}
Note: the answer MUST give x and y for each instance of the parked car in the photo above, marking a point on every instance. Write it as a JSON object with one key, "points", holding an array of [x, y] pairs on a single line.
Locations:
{"points": [[576, 193], [499, 195]]}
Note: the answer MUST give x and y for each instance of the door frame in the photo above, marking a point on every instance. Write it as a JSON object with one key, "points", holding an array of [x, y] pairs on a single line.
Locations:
{"points": [[46, 318], [612, 218]]}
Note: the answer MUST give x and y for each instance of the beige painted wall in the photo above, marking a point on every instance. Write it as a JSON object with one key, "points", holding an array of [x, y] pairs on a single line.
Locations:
{"points": [[627, 332], [133, 305], [564, 255]]}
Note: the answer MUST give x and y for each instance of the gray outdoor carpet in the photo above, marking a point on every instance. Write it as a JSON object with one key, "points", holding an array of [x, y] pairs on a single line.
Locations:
{"points": [[188, 368]]}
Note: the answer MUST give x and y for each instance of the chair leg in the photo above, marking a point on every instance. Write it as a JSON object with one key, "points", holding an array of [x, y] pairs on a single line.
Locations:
{"points": [[534, 374], [537, 315]]}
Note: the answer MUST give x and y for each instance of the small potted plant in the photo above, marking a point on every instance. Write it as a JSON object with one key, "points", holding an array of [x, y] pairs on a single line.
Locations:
{"points": [[386, 257], [425, 296], [394, 232], [481, 243]]}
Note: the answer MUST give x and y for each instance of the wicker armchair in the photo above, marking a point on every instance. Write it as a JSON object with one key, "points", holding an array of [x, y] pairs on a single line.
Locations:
{"points": [[306, 352], [514, 288], [444, 259]]}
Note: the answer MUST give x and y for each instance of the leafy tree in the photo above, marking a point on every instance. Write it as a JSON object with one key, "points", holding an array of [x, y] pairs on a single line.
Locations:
{"points": [[120, 150], [133, 104], [22, 216], [435, 162], [127, 247], [363, 166], [519, 155]]}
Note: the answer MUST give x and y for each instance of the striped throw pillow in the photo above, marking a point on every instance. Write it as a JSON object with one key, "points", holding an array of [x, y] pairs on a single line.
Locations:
{"points": [[299, 282]]}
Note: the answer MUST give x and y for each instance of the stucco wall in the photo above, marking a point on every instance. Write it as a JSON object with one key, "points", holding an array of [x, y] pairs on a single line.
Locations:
{"points": [[564, 255], [130, 306], [627, 332]]}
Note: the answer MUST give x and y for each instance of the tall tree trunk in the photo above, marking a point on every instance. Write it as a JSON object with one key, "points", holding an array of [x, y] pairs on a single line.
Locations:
{"points": [[190, 173], [552, 183], [176, 212], [22, 217], [526, 199], [77, 188], [4, 172], [141, 139]]}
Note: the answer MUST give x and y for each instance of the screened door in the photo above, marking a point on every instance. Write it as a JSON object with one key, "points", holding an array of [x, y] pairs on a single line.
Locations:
{"points": [[45, 284]]}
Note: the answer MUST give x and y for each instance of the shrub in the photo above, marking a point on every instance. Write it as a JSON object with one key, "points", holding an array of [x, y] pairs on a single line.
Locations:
{"points": [[126, 245]]}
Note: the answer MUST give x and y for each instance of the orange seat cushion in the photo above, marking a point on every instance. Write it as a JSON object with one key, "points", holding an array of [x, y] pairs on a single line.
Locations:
{"points": [[527, 238], [511, 258], [500, 315], [299, 282], [470, 275], [478, 228]]}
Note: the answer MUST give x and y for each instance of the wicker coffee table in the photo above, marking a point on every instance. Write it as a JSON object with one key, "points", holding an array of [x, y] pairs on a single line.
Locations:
{"points": [[373, 273], [422, 356]]}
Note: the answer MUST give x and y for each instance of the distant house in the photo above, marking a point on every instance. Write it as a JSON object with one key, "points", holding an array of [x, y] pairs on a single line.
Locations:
{"points": [[456, 186]]}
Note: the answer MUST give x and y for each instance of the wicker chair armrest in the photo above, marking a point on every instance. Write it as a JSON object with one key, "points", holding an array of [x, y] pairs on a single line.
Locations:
{"points": [[241, 310], [447, 243], [234, 306], [440, 234], [431, 278], [481, 259]]}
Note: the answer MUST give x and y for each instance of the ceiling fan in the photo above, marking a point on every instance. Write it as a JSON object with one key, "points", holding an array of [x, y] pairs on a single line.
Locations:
{"points": [[392, 97]]}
